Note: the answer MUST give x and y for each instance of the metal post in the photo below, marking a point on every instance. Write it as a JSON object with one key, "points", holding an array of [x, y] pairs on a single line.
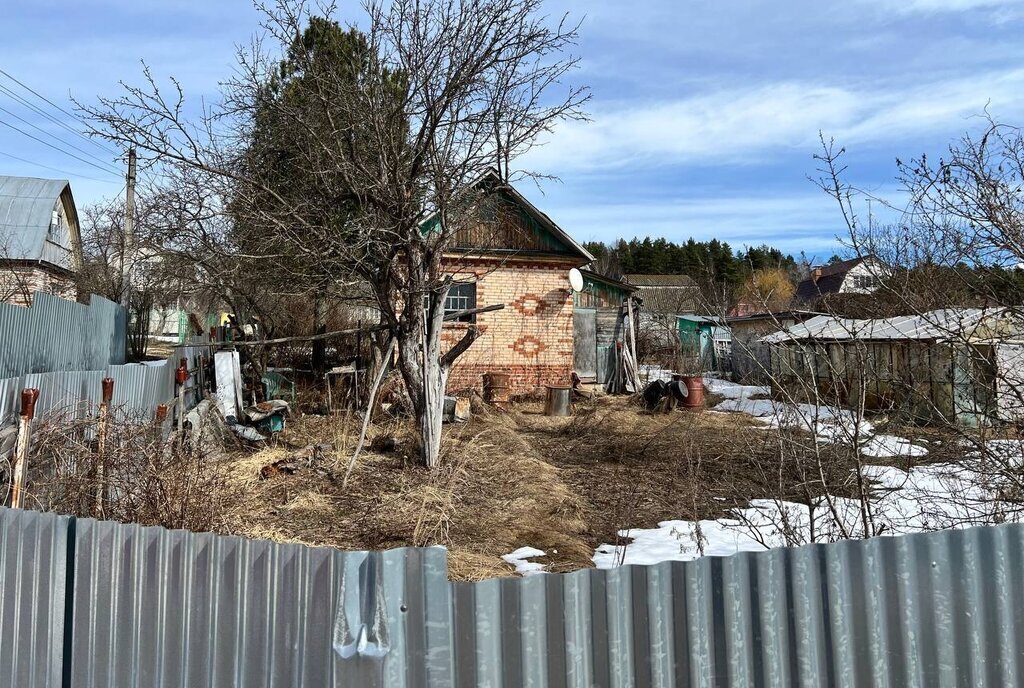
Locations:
{"points": [[180, 376], [28, 410], [101, 445]]}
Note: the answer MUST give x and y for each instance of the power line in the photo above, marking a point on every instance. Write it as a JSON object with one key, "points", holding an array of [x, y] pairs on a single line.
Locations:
{"points": [[55, 169], [50, 145], [35, 108], [92, 156], [42, 97]]}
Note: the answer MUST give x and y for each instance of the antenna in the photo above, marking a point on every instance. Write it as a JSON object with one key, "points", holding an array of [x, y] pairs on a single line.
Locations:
{"points": [[576, 279]]}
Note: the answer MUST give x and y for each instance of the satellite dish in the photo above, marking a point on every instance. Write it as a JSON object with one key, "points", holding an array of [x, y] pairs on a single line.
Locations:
{"points": [[576, 279]]}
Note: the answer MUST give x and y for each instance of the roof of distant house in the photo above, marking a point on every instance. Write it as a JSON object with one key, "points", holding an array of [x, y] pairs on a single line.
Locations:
{"points": [[665, 294], [939, 325], [684, 281], [598, 277], [773, 316], [26, 211], [829, 279]]}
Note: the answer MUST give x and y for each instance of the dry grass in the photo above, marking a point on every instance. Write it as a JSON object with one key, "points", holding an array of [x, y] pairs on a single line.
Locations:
{"points": [[634, 469], [491, 494], [507, 480]]}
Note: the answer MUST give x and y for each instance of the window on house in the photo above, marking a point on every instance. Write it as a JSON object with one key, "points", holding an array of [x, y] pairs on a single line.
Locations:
{"points": [[461, 297], [56, 226], [865, 282]]}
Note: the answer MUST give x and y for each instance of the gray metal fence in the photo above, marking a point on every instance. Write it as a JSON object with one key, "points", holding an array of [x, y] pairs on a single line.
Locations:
{"points": [[60, 335], [65, 349], [86, 603]]}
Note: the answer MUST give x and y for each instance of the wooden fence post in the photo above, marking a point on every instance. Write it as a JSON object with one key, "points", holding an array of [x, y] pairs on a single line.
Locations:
{"points": [[28, 411]]}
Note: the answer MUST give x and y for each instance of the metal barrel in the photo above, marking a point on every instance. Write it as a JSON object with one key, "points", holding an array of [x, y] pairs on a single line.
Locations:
{"points": [[496, 388], [558, 401], [694, 392]]}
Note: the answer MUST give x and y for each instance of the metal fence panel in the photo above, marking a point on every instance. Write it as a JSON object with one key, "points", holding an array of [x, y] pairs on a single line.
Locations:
{"points": [[33, 568], [60, 335], [170, 609], [937, 609]]}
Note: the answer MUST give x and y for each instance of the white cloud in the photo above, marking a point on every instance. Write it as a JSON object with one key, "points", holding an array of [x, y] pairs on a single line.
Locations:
{"points": [[937, 6], [738, 125]]}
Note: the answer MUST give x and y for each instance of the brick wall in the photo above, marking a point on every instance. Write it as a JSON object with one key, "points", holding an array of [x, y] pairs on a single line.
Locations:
{"points": [[19, 282], [531, 338]]}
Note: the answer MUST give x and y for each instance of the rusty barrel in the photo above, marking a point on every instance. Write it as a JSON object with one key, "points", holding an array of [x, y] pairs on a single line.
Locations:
{"points": [[496, 389], [694, 392]]}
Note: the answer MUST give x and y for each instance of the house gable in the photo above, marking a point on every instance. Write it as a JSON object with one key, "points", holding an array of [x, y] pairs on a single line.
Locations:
{"points": [[39, 222], [509, 225]]}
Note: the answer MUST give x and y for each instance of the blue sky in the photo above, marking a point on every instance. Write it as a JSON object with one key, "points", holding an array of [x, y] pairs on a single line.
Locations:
{"points": [[705, 115]]}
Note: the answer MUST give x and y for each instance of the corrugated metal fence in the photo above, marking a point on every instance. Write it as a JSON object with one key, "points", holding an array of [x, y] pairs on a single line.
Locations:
{"points": [[65, 349], [60, 335], [84, 603]]}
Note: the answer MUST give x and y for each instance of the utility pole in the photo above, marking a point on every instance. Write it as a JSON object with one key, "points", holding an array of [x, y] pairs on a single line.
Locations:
{"points": [[128, 251]]}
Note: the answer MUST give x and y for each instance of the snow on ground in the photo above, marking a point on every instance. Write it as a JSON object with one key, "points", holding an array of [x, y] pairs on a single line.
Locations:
{"points": [[829, 425], [731, 390], [890, 445], [930, 497], [519, 559]]}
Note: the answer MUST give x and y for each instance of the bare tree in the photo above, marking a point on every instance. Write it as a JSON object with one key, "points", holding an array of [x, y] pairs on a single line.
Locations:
{"points": [[480, 81]]}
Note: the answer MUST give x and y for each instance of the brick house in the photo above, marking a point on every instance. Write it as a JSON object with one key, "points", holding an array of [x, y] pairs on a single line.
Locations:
{"points": [[522, 260], [40, 242]]}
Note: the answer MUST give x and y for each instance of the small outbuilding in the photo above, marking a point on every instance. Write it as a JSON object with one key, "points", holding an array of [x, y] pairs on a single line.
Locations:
{"points": [[40, 241], [599, 313], [962, 365], [705, 343], [750, 360], [663, 299]]}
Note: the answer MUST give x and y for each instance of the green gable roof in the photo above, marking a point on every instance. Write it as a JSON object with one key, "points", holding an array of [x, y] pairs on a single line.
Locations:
{"points": [[545, 236]]}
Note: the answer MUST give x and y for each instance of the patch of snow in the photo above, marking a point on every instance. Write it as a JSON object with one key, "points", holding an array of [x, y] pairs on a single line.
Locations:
{"points": [[731, 390], [519, 559], [926, 498], [828, 424], [650, 373], [890, 445]]}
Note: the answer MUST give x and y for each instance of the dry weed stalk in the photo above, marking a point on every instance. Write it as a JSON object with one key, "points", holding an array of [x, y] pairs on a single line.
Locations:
{"points": [[141, 475]]}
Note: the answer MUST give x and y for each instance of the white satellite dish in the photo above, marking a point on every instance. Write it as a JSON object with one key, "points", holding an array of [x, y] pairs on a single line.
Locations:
{"points": [[576, 279]]}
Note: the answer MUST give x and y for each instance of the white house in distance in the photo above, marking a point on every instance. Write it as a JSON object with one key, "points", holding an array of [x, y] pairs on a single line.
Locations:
{"points": [[40, 241], [854, 276]]}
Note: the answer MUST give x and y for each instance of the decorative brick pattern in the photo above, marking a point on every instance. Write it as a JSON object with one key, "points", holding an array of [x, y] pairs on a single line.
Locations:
{"points": [[530, 304], [529, 346], [531, 338]]}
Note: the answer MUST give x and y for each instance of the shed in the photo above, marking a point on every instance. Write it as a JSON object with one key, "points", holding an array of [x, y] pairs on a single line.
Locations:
{"points": [[948, 364], [598, 318], [40, 241], [705, 343], [750, 360]]}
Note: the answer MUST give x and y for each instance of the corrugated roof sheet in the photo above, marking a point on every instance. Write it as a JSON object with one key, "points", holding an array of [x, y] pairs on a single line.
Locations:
{"points": [[26, 210], [941, 325]]}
